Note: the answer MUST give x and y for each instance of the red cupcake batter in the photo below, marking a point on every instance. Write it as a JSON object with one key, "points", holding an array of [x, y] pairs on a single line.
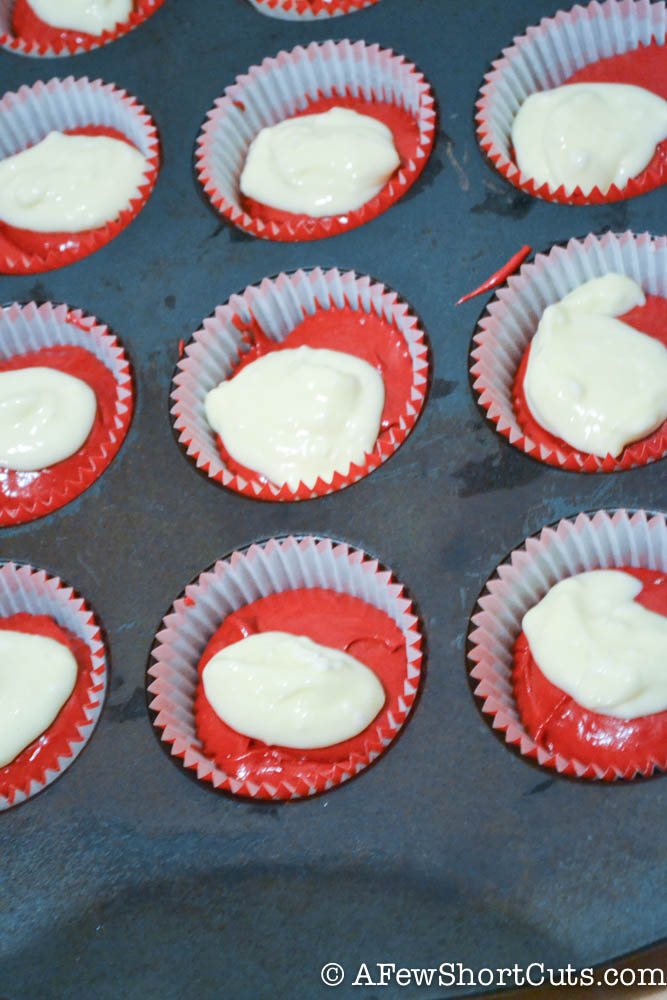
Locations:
{"points": [[331, 619], [353, 331], [404, 129], [31, 242], [43, 753], [36, 491], [651, 318], [29, 27], [560, 725]]}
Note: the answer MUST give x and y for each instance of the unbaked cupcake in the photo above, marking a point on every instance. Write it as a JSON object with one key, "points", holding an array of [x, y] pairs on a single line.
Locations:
{"points": [[618, 41], [318, 80], [309, 10], [71, 344], [34, 604], [58, 113], [316, 310], [542, 719], [23, 31], [502, 342], [331, 594]]}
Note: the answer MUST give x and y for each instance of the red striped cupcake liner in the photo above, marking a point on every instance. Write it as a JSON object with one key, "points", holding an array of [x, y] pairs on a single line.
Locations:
{"points": [[309, 10], [285, 85], [33, 591], [274, 567], [29, 114], [546, 56], [276, 307], [30, 328]]}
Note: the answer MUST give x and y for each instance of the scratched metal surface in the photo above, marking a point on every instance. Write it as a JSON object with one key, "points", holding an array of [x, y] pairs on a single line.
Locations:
{"points": [[127, 879]]}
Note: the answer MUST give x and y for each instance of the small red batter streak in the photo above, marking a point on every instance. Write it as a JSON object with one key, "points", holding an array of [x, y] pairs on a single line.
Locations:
{"points": [[500, 276]]}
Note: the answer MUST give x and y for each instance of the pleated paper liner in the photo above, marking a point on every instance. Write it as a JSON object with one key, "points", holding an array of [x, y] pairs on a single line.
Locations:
{"points": [[602, 540], [273, 309], [512, 318], [24, 589], [546, 56], [274, 567], [25, 496], [27, 117], [289, 84], [48, 41], [309, 10]]}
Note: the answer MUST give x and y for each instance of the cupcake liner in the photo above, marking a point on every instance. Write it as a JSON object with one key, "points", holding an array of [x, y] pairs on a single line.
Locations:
{"points": [[28, 115], [14, 43], [547, 55], [309, 10], [278, 305], [512, 318], [264, 569], [28, 328], [24, 589], [587, 542], [283, 86]]}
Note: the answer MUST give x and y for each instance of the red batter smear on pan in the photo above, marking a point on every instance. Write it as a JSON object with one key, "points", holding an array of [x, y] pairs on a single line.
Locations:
{"points": [[560, 725], [651, 318], [331, 619], [403, 126], [66, 479], [353, 331], [43, 753]]}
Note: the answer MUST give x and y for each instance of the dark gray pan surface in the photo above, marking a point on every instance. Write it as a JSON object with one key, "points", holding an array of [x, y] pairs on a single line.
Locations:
{"points": [[126, 879]]}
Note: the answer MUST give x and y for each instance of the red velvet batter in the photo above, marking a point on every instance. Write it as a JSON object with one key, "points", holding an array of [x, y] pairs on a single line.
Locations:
{"points": [[68, 478], [43, 753], [651, 318], [31, 242], [355, 332], [331, 619], [560, 725], [29, 27], [401, 123]]}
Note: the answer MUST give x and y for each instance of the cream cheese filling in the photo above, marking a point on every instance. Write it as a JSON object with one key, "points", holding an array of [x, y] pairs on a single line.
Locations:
{"points": [[90, 16]]}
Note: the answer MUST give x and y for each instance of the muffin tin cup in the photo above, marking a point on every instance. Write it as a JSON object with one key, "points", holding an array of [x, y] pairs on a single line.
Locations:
{"points": [[24, 589], [282, 86], [24, 47], [264, 569], [544, 57], [315, 10], [31, 328], [590, 541], [29, 114], [279, 305], [512, 318]]}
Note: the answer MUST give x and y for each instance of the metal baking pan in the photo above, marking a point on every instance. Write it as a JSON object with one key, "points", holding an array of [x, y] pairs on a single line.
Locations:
{"points": [[124, 878]]}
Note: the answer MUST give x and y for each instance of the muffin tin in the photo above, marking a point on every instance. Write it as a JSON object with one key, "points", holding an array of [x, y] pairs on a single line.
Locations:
{"points": [[450, 848]]}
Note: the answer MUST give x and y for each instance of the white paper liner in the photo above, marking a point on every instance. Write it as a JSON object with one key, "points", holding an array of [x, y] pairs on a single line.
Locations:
{"points": [[267, 568], [24, 589], [587, 542], [26, 328], [504, 333], [279, 305], [29, 114], [286, 84], [547, 55], [286, 10], [11, 42]]}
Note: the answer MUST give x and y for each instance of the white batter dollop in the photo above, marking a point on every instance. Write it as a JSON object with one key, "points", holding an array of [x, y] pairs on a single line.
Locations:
{"points": [[45, 416], [37, 676], [588, 135], [298, 414], [322, 164], [69, 183], [591, 639], [90, 16], [290, 691], [591, 379]]}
